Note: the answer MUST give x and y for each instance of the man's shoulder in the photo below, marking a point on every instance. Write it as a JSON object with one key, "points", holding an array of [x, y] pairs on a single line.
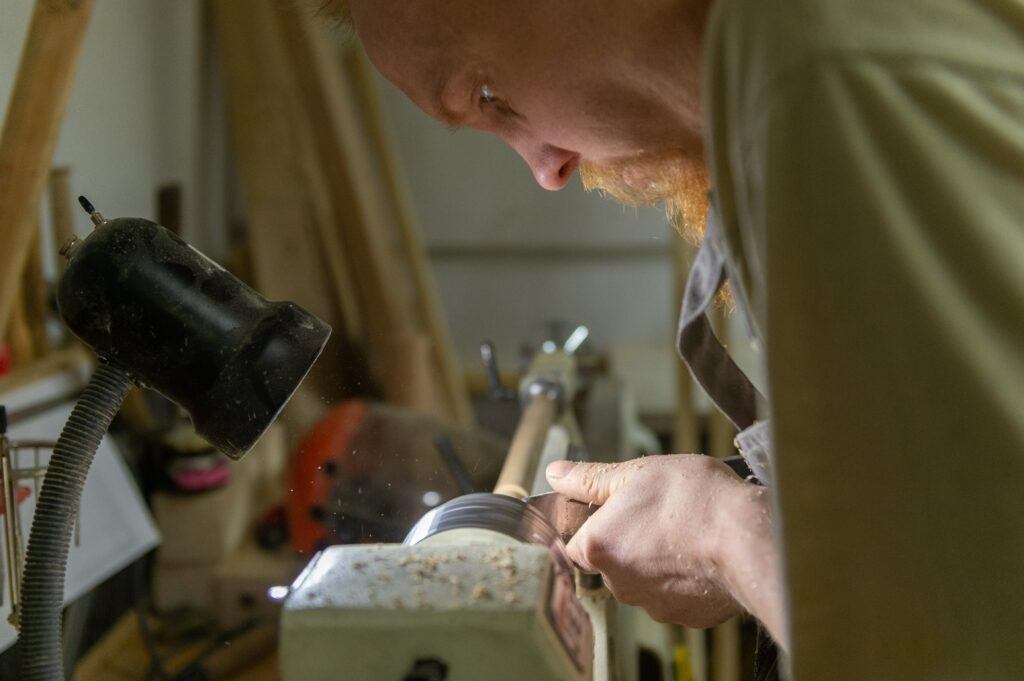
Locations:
{"points": [[761, 41]]}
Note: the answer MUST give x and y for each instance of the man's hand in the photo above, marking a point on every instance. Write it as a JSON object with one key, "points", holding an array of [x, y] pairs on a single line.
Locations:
{"points": [[680, 536]]}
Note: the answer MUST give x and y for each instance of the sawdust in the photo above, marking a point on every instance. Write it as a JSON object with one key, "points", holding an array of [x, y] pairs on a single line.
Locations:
{"points": [[446, 579]]}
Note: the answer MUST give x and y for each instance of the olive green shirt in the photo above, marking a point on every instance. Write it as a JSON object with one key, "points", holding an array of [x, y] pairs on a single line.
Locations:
{"points": [[868, 163]]}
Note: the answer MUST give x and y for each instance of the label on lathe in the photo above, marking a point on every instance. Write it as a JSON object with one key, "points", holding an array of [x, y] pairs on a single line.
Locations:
{"points": [[570, 620]]}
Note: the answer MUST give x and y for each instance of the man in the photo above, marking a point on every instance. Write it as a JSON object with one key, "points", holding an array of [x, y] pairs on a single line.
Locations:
{"points": [[866, 163]]}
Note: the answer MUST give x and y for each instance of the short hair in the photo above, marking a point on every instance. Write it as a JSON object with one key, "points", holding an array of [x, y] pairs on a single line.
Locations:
{"points": [[338, 10]]}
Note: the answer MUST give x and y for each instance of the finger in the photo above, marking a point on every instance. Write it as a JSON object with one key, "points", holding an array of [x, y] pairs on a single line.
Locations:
{"points": [[578, 554], [589, 547], [590, 482]]}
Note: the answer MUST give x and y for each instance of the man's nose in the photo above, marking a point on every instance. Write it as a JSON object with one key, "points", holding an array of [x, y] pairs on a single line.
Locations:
{"points": [[552, 166]]}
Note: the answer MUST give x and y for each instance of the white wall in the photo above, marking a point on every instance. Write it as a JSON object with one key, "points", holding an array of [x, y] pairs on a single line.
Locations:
{"points": [[133, 115]]}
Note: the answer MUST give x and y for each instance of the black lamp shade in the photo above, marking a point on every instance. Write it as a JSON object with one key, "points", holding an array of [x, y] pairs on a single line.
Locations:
{"points": [[180, 324]]}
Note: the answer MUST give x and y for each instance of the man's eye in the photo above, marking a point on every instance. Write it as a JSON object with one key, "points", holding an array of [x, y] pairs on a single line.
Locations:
{"points": [[491, 104], [486, 95]]}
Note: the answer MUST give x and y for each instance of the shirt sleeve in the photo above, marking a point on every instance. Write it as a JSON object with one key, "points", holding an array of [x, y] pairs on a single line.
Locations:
{"points": [[880, 207]]}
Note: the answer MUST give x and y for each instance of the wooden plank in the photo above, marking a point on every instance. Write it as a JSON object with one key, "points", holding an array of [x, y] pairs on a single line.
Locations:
{"points": [[394, 288], [324, 199], [335, 128], [121, 656], [267, 133], [264, 132], [427, 301], [31, 125], [118, 656]]}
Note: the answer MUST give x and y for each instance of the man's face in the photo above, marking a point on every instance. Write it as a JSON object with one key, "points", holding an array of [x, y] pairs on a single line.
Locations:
{"points": [[565, 84]]}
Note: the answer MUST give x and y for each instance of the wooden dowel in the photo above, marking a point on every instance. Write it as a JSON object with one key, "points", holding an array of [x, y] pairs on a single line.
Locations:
{"points": [[34, 113], [61, 208], [524, 453]]}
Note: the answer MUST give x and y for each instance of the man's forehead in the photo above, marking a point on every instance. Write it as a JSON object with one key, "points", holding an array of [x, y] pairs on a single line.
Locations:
{"points": [[407, 46]]}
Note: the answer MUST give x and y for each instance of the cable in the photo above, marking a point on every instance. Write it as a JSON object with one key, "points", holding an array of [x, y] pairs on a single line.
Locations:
{"points": [[42, 589]]}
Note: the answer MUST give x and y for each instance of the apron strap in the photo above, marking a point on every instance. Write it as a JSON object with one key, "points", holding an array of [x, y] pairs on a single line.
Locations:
{"points": [[726, 385], [708, 361]]}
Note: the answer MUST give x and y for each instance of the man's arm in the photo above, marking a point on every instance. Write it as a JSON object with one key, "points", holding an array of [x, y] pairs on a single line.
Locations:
{"points": [[681, 536]]}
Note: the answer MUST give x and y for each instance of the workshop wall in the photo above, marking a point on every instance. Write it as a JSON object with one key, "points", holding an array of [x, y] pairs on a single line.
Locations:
{"points": [[510, 256], [147, 108], [133, 119]]}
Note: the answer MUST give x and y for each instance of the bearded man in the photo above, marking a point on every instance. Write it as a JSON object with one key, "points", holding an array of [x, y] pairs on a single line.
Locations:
{"points": [[865, 163]]}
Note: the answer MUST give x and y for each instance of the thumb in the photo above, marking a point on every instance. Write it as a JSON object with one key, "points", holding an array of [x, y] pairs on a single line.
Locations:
{"points": [[590, 482]]}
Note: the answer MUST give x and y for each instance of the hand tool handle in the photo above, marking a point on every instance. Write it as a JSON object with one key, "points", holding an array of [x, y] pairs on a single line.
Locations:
{"points": [[527, 444]]}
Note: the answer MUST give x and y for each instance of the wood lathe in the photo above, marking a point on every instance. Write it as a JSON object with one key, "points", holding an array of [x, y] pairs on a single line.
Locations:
{"points": [[481, 588]]}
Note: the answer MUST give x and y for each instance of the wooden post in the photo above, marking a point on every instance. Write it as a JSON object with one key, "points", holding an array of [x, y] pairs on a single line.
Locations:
{"points": [[34, 114]]}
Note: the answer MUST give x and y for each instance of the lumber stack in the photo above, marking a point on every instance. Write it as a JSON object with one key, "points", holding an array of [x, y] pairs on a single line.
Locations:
{"points": [[330, 221], [30, 129], [31, 124]]}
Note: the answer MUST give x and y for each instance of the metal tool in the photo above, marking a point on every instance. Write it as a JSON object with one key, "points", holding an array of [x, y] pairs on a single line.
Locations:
{"points": [[564, 514], [498, 513], [539, 519]]}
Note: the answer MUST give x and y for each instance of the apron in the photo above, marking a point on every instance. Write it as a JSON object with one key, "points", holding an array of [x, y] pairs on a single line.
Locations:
{"points": [[724, 382], [708, 360]]}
